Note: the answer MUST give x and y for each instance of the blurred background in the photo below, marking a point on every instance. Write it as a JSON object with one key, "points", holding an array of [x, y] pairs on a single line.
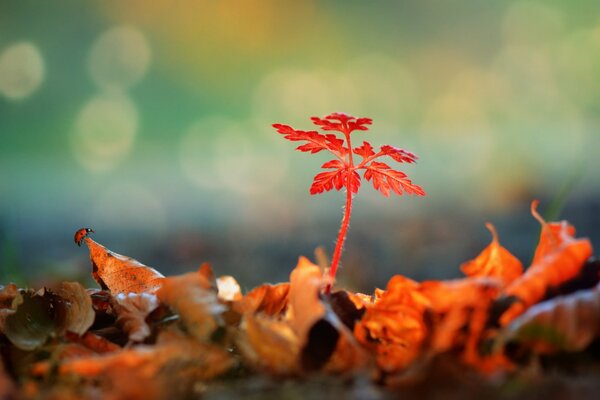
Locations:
{"points": [[151, 123]]}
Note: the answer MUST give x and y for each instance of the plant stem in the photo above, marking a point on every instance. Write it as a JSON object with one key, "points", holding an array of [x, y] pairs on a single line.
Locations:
{"points": [[345, 220]]}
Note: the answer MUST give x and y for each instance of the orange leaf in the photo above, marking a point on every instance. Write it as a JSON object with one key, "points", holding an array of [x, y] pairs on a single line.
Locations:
{"points": [[305, 307], [121, 274], [393, 326], [269, 344], [558, 258], [270, 299], [194, 297], [566, 323], [494, 261]]}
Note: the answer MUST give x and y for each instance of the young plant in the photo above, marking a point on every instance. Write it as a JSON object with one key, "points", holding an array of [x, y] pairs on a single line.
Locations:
{"points": [[342, 172]]}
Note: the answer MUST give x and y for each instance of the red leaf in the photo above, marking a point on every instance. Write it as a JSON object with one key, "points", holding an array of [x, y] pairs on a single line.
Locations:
{"points": [[398, 154], [359, 124], [365, 151], [315, 141], [342, 122], [333, 164], [325, 181], [384, 178]]}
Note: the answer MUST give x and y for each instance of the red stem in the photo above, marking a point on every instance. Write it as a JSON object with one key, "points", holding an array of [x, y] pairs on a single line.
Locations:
{"points": [[346, 219]]}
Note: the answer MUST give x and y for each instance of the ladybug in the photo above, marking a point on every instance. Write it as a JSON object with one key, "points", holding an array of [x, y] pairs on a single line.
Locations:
{"points": [[81, 234]]}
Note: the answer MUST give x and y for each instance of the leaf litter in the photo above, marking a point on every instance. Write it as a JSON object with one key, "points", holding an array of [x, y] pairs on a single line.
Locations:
{"points": [[143, 335]]}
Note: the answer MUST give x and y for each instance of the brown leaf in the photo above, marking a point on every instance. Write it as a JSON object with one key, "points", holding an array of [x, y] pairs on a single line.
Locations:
{"points": [[45, 313], [558, 258], [149, 372], [132, 310], [566, 323], [95, 343], [460, 309], [305, 306], [269, 344], [270, 299], [78, 305], [121, 274], [194, 298], [494, 261], [393, 327]]}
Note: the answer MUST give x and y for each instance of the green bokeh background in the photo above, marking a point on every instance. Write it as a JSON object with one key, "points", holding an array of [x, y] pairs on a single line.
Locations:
{"points": [[150, 122]]}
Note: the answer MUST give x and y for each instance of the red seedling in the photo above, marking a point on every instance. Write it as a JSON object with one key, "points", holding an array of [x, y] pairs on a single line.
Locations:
{"points": [[342, 171]]}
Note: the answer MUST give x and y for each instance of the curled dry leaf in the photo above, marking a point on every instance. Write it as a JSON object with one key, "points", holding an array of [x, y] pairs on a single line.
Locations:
{"points": [[268, 299], [132, 310], [194, 298], [179, 358], [558, 258], [566, 323], [269, 344], [121, 274], [305, 306], [45, 314], [316, 325], [393, 327], [78, 307], [460, 310], [494, 261]]}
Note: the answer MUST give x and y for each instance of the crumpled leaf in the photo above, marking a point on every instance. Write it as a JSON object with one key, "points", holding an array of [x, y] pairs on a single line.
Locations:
{"points": [[132, 310], [37, 317], [393, 327], [305, 307], [494, 261], [460, 310], [121, 274], [80, 314], [316, 325], [149, 371], [565, 323], [43, 314], [194, 297], [269, 344], [558, 258], [269, 299]]}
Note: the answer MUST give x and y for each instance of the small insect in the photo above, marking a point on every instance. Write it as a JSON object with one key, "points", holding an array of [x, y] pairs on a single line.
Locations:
{"points": [[81, 234]]}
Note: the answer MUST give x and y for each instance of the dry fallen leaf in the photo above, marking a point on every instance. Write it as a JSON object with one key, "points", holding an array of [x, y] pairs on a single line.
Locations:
{"points": [[393, 327], [305, 307], [558, 258], [494, 261], [270, 299], [269, 344], [565, 323], [44, 314], [121, 274], [79, 312], [149, 372], [132, 310], [460, 310], [194, 297]]}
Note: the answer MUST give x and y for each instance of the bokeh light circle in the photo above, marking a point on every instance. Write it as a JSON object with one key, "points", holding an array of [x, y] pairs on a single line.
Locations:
{"points": [[120, 57], [22, 70], [104, 131]]}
